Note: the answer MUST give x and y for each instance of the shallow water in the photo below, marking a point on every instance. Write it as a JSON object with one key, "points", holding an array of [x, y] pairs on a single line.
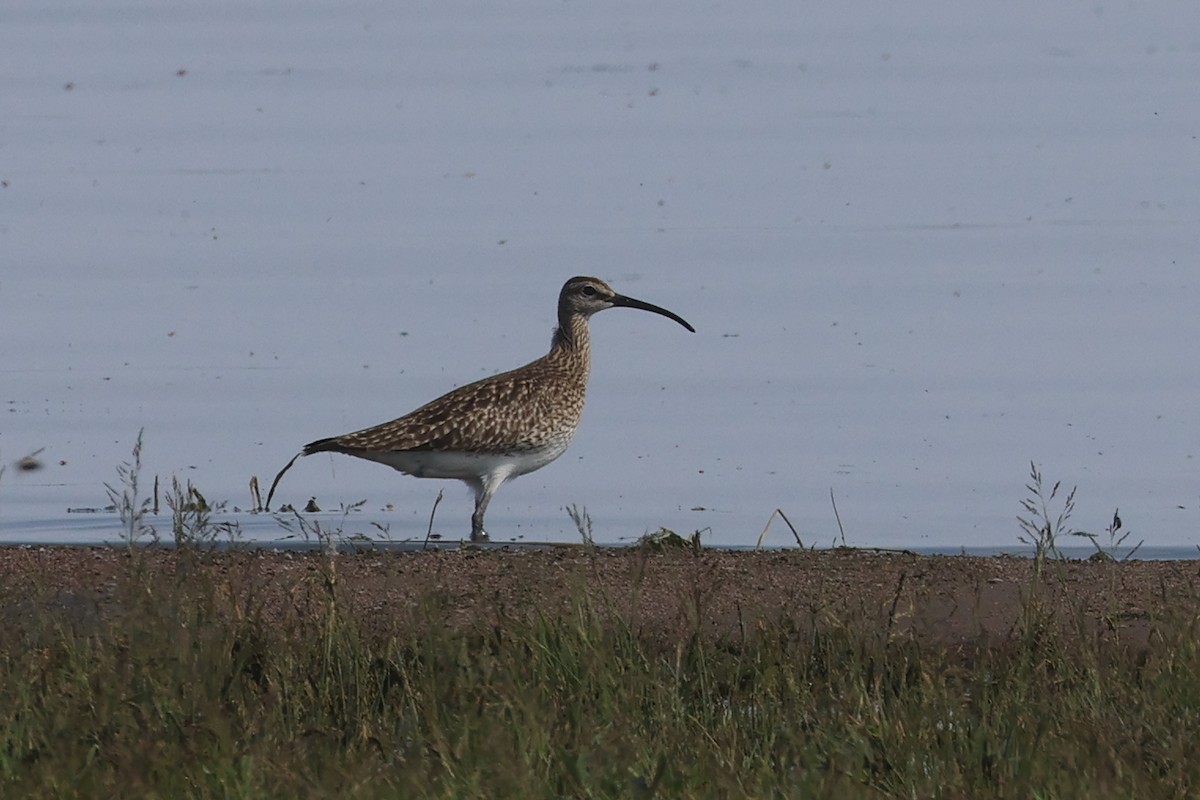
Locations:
{"points": [[921, 248]]}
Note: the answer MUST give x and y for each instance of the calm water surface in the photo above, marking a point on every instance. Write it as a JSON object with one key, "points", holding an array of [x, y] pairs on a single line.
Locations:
{"points": [[921, 248]]}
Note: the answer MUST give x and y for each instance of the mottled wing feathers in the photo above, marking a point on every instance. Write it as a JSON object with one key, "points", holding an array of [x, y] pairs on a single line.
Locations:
{"points": [[522, 409]]}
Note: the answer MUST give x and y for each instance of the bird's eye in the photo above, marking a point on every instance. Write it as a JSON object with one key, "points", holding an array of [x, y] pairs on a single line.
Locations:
{"points": [[589, 291]]}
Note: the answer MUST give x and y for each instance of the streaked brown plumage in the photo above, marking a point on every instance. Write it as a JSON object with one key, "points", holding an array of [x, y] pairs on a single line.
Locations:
{"points": [[495, 429]]}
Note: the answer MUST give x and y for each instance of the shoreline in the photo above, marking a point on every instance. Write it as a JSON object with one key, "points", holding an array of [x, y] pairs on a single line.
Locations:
{"points": [[668, 594]]}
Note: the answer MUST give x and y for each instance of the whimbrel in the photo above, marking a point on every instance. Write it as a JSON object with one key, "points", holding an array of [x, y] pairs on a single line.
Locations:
{"points": [[492, 430]]}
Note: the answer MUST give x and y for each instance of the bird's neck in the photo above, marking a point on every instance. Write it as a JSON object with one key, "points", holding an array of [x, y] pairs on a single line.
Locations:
{"points": [[571, 338]]}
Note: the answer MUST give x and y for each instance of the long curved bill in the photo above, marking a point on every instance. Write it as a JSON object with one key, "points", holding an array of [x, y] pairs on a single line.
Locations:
{"points": [[629, 302]]}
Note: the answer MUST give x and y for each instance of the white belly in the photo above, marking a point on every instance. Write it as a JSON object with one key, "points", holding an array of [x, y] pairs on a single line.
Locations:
{"points": [[465, 466]]}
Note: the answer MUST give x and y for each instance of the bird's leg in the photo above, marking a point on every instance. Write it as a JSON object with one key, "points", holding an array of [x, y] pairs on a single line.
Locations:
{"points": [[478, 534], [483, 493], [485, 487]]}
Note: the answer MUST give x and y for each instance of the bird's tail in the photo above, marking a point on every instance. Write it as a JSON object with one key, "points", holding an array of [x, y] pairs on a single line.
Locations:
{"points": [[332, 444]]}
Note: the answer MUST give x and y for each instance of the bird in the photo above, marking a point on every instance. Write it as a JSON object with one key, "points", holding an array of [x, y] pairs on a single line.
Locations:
{"points": [[495, 429]]}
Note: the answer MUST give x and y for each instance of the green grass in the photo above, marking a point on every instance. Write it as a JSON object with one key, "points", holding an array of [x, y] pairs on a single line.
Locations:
{"points": [[190, 686]]}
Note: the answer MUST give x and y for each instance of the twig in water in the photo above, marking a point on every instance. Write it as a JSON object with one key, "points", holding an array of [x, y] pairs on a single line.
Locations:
{"points": [[255, 496], [432, 511], [838, 517], [275, 482], [778, 512]]}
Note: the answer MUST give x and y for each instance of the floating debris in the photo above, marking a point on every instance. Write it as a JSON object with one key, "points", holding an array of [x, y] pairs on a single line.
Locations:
{"points": [[29, 464]]}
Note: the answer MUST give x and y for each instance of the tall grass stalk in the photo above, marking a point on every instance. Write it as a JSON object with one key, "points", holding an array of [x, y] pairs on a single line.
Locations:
{"points": [[583, 524], [127, 501], [1110, 550], [1042, 527], [192, 523]]}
